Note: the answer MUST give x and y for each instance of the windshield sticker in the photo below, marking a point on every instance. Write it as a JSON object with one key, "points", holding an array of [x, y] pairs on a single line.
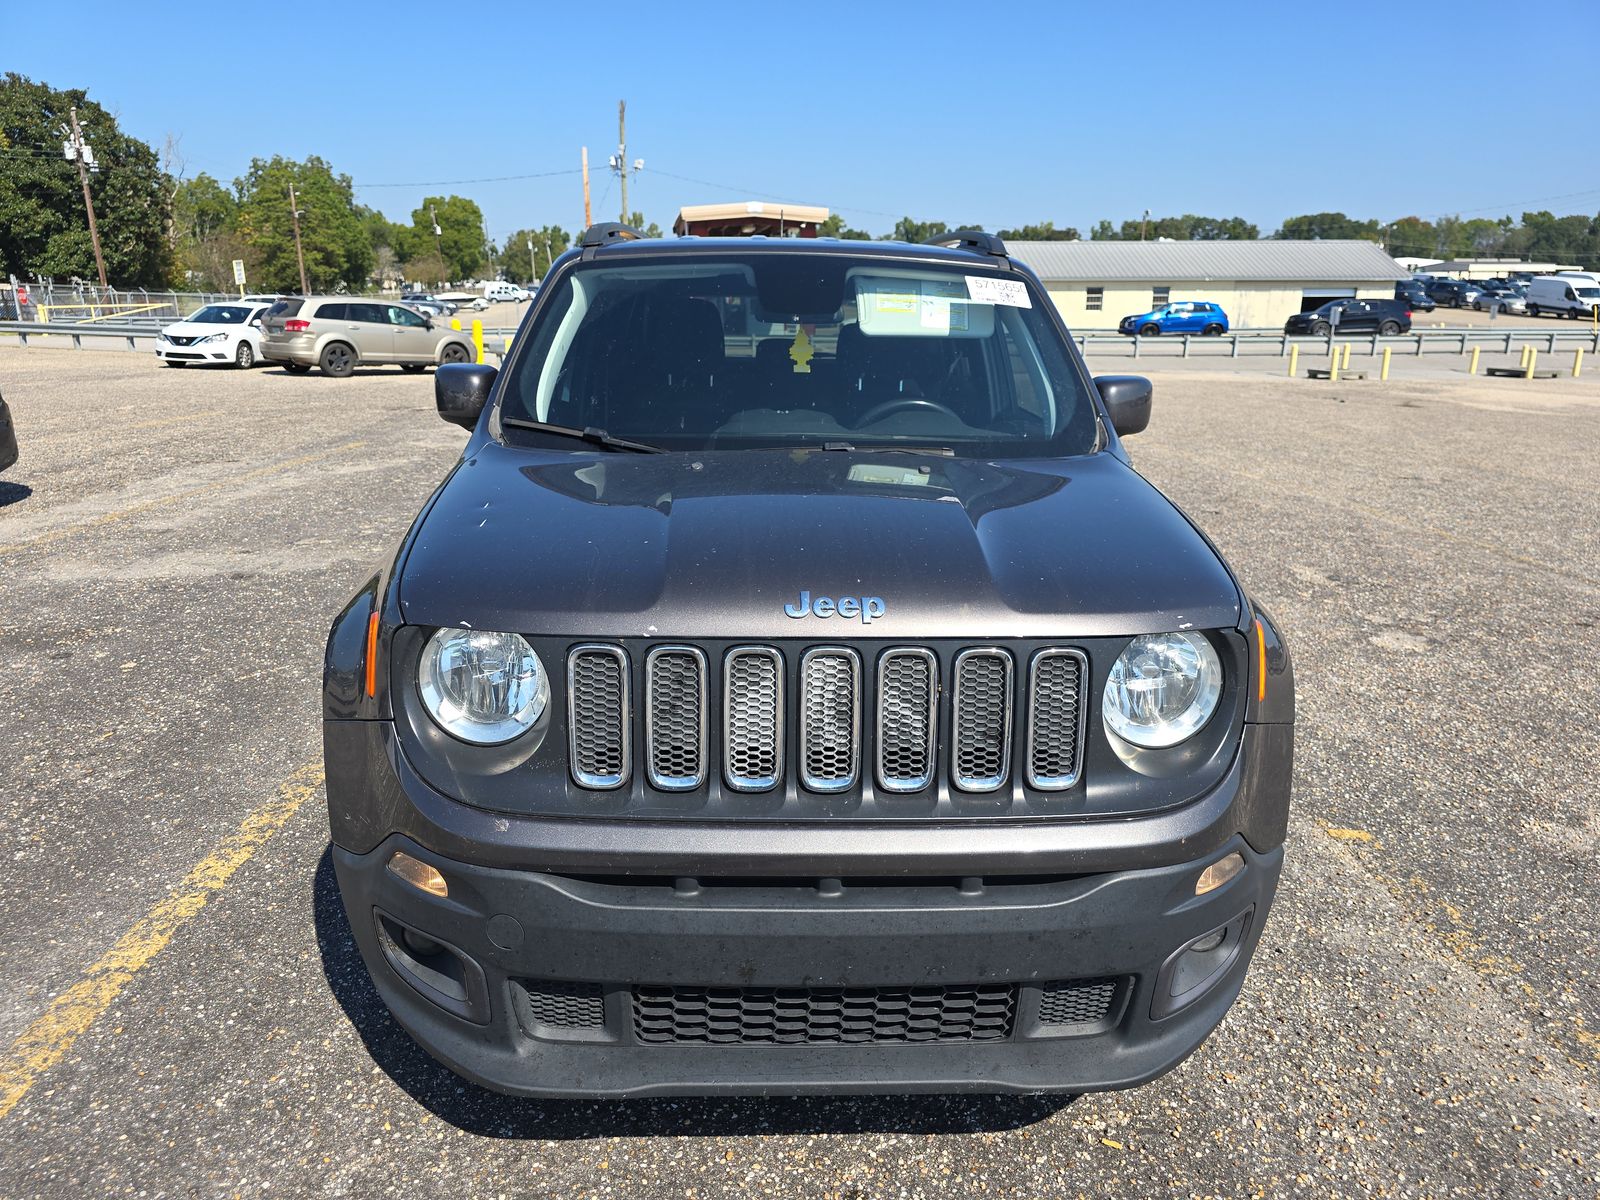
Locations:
{"points": [[897, 306], [1011, 292], [894, 303]]}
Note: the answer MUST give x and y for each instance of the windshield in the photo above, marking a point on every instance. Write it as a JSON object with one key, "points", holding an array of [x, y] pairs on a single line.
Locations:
{"points": [[219, 314], [1589, 293], [792, 349]]}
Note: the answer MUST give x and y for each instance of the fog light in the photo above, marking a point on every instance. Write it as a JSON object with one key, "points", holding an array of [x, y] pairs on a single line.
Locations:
{"points": [[418, 874], [1218, 873], [1210, 942]]}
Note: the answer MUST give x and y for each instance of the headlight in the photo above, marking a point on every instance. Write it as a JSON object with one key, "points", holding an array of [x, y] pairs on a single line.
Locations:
{"points": [[1162, 689], [215, 337], [482, 687]]}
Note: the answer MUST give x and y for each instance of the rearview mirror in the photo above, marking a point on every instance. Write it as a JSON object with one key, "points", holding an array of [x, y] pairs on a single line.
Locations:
{"points": [[460, 390], [1127, 400]]}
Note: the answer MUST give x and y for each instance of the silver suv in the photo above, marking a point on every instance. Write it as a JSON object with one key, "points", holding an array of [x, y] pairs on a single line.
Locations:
{"points": [[338, 334]]}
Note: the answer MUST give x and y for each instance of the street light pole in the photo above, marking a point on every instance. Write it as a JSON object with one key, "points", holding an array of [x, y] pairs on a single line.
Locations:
{"points": [[88, 203], [299, 251], [533, 263]]}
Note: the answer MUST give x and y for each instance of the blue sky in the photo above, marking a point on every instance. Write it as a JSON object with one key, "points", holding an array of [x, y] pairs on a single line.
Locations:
{"points": [[999, 114]]}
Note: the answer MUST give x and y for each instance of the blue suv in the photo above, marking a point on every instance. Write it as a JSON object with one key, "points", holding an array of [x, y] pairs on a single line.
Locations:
{"points": [[1181, 316]]}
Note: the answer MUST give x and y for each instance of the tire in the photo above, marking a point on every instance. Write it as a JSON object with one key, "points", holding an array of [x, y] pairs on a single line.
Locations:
{"points": [[1321, 329], [1212, 331], [338, 360], [1389, 328], [1533, 310], [295, 368], [172, 362], [413, 368], [1150, 331], [454, 352], [245, 356]]}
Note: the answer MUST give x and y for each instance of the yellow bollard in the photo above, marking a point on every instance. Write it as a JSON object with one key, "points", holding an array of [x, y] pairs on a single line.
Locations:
{"points": [[477, 337], [1294, 360], [1384, 374], [1533, 357], [44, 312], [1472, 367], [1523, 365], [508, 344], [1345, 365], [1577, 362], [1333, 367], [455, 323]]}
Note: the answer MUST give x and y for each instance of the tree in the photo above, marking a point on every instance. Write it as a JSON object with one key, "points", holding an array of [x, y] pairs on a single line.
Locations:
{"points": [[651, 230], [908, 230], [44, 229], [427, 268], [1045, 231], [460, 240], [337, 244], [1187, 228], [1103, 232], [835, 227], [1327, 226], [205, 237], [549, 243]]}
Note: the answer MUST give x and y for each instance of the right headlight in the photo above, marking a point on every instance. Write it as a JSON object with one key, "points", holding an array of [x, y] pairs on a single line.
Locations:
{"points": [[482, 687], [1162, 689]]}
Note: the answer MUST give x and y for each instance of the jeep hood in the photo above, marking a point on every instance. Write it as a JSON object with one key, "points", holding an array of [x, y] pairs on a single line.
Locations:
{"points": [[717, 544]]}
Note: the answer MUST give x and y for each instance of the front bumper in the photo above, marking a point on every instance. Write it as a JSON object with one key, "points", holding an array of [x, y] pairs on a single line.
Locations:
{"points": [[765, 929], [215, 352]]}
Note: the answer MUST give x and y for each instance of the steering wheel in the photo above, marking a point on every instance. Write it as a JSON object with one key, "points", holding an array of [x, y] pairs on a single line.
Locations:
{"points": [[905, 404]]}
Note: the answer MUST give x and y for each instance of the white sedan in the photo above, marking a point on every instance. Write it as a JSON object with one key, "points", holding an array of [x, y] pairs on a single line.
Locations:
{"points": [[217, 333]]}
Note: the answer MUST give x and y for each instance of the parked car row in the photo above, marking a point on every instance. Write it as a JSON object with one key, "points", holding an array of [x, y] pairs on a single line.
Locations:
{"points": [[335, 333], [1566, 293]]}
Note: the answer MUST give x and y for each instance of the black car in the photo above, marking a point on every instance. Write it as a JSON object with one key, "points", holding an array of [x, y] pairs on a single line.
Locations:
{"points": [[8, 437], [793, 688], [1414, 296], [1454, 293], [1388, 317]]}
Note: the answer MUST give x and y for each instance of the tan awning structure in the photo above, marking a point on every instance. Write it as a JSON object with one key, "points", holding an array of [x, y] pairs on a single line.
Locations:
{"points": [[748, 218]]}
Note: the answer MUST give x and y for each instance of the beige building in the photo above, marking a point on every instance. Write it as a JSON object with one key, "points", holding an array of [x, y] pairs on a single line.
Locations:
{"points": [[1258, 284], [1493, 268]]}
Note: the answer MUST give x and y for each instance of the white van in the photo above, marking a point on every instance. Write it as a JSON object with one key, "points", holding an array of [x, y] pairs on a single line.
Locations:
{"points": [[1572, 293], [500, 290]]}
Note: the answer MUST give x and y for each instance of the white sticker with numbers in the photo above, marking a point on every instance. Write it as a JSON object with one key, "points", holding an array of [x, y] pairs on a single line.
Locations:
{"points": [[1011, 292]]}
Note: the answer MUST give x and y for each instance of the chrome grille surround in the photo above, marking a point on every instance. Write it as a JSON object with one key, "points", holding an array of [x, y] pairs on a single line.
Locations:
{"points": [[980, 749], [675, 717], [599, 716], [1056, 719], [830, 719], [907, 718], [752, 718]]}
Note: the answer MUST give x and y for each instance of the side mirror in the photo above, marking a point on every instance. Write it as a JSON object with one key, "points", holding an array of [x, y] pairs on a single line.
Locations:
{"points": [[460, 390], [1127, 401], [427, 322]]}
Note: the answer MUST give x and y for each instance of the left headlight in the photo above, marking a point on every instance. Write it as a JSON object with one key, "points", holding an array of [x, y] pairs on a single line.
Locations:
{"points": [[482, 687], [1162, 690], [215, 337]]}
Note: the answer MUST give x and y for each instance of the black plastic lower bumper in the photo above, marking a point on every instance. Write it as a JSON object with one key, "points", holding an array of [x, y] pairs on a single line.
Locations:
{"points": [[467, 975]]}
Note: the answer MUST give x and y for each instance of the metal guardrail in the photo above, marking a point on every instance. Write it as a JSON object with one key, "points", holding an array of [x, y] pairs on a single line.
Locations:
{"points": [[1230, 345]]}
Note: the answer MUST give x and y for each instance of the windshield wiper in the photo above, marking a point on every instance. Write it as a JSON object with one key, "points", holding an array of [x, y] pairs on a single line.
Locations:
{"points": [[595, 437], [946, 451]]}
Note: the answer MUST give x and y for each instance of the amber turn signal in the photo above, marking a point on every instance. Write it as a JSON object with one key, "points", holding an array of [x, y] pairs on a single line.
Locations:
{"points": [[1261, 661], [418, 874], [372, 654], [1214, 876]]}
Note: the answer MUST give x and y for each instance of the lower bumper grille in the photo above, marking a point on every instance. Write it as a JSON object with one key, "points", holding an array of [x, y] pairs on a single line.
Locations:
{"points": [[821, 1016]]}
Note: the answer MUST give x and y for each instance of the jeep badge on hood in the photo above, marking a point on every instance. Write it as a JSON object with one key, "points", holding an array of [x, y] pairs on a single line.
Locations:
{"points": [[868, 608]]}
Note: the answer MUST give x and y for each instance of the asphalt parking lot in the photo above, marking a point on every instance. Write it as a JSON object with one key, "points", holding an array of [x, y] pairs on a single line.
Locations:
{"points": [[186, 1015]]}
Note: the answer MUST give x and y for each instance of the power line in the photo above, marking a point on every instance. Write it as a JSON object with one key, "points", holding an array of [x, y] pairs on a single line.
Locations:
{"points": [[459, 182]]}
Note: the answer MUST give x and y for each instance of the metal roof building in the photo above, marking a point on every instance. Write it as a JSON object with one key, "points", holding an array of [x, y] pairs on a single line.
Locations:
{"points": [[1259, 283]]}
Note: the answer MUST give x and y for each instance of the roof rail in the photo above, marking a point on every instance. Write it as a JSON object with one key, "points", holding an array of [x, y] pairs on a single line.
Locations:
{"points": [[609, 231], [975, 240]]}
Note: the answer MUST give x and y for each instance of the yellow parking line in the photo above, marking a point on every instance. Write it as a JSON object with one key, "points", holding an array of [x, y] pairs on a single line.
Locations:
{"points": [[55, 535], [43, 1043]]}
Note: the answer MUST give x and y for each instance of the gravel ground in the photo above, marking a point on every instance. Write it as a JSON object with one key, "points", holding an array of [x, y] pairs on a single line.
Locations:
{"points": [[1422, 1018]]}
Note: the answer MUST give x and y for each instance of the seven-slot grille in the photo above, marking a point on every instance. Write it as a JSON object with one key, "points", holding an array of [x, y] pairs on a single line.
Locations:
{"points": [[826, 687], [823, 1015]]}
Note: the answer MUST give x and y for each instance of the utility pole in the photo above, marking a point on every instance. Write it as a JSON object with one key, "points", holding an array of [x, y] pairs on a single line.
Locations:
{"points": [[619, 160], [78, 152], [588, 218], [533, 263], [1144, 221], [299, 251], [438, 238]]}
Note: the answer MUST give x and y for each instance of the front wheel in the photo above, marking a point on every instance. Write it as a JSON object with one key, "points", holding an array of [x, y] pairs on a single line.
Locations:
{"points": [[172, 362], [455, 352], [413, 367], [1322, 329], [1150, 331], [245, 356], [1533, 310], [338, 360], [1389, 328]]}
